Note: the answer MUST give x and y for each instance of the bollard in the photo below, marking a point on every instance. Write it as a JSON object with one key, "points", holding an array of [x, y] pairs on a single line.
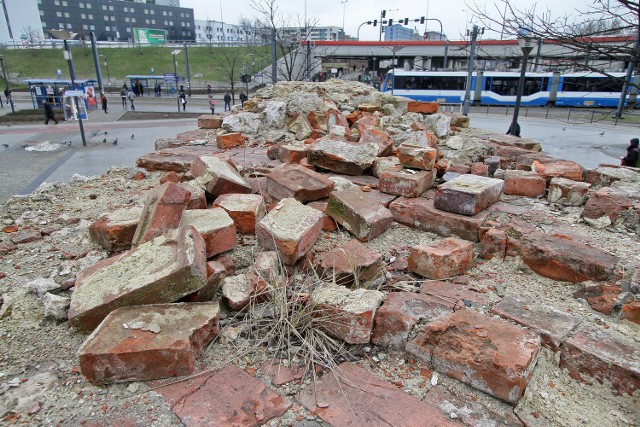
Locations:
{"points": [[569, 115], [592, 114], [546, 116]]}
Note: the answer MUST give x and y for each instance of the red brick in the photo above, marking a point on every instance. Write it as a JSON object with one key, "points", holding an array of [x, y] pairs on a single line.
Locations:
{"points": [[216, 272], [421, 213], [446, 258], [346, 314], [215, 226], [245, 210], [291, 229], [198, 198], [606, 202], [334, 117], [353, 210], [172, 176], [493, 244], [25, 236], [267, 266], [553, 325], [163, 209], [177, 159], [302, 184], [602, 298], [342, 157], [219, 176], [209, 121], [353, 264], [383, 164], [559, 168], [230, 140], [281, 374], [468, 194], [228, 397], [568, 192], [239, 290], [593, 354], [523, 183], [148, 342], [414, 157], [378, 137], [631, 312], [115, 230], [369, 401], [292, 154], [328, 223], [423, 107], [487, 353], [399, 313], [407, 184], [452, 295], [480, 169], [162, 270], [559, 257]]}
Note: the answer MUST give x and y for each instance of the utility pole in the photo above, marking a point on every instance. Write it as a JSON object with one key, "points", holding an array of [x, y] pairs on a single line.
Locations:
{"points": [[274, 60], [627, 78], [72, 74], [186, 66], [96, 61], [383, 14], [472, 56]]}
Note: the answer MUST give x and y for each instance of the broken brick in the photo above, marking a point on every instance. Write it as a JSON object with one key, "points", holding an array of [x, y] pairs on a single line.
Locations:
{"points": [[446, 258], [244, 209], [298, 182], [406, 183], [467, 194], [215, 226], [114, 231], [414, 157], [523, 183], [353, 264], [218, 176]]}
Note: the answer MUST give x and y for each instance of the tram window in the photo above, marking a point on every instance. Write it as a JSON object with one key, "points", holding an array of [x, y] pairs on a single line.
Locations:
{"points": [[509, 85], [427, 82], [591, 84]]}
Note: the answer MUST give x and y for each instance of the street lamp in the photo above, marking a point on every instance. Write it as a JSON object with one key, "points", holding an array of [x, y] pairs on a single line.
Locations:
{"points": [[7, 90], [175, 74], [65, 36], [344, 4], [106, 65], [526, 45]]}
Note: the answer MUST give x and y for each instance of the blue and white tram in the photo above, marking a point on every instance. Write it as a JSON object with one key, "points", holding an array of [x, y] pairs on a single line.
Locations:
{"points": [[589, 89], [500, 88], [431, 86]]}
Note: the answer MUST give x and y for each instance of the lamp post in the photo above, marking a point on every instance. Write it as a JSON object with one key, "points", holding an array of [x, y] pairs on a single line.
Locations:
{"points": [[526, 45], [65, 36], [106, 66], [175, 75], [344, 5], [7, 90]]}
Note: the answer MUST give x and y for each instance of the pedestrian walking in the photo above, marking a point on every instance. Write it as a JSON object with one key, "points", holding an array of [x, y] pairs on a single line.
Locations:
{"points": [[48, 113], [131, 97], [208, 89], [212, 104], [183, 99], [103, 102], [227, 102], [243, 98], [141, 89], [123, 96]]}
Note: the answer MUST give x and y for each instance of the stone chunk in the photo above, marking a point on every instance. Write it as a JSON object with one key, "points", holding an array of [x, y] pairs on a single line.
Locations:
{"points": [[606, 202], [568, 192], [114, 230], [468, 194], [342, 157], [298, 182], [238, 290], [176, 159], [414, 157], [353, 209], [373, 135], [228, 397], [25, 236], [369, 401], [593, 354], [209, 121], [493, 244], [148, 342], [162, 212], [215, 226], [560, 169], [346, 314], [559, 257], [524, 183], [218, 177], [353, 264], [446, 258], [292, 154], [291, 228], [406, 183], [399, 313], [384, 164], [487, 353], [244, 209], [421, 213], [553, 325], [162, 270]]}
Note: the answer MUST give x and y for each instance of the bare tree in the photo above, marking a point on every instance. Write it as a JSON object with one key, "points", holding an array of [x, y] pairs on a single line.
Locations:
{"points": [[578, 36], [230, 66], [291, 35], [35, 37]]}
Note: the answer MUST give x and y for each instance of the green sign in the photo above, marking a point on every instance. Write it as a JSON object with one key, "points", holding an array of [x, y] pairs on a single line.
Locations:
{"points": [[149, 36]]}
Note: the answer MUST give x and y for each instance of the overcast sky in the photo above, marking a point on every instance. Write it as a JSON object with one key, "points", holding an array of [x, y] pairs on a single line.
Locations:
{"points": [[453, 14]]}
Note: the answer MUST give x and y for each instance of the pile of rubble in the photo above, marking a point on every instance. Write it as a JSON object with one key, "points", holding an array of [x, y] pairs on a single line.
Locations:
{"points": [[408, 218]]}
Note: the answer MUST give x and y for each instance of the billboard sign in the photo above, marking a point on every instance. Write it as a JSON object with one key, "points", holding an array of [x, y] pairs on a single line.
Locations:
{"points": [[149, 36]]}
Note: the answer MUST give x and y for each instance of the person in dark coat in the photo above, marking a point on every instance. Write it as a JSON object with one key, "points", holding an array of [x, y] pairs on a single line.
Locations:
{"points": [[183, 99], [243, 98], [227, 102], [103, 102], [48, 113], [631, 159]]}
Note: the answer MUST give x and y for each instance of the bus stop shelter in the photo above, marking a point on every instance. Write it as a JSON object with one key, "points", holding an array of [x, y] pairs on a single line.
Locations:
{"points": [[167, 82], [53, 90]]}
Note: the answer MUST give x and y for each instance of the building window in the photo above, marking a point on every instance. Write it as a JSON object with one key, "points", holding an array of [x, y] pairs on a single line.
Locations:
{"points": [[164, 13], [107, 28], [56, 2], [113, 18], [66, 14], [81, 6], [146, 21], [106, 18], [181, 14], [104, 7], [60, 25], [111, 8], [92, 27], [85, 27], [153, 22], [166, 23], [170, 13], [90, 17], [146, 11], [68, 26], [59, 14], [83, 16], [64, 3], [88, 5]]}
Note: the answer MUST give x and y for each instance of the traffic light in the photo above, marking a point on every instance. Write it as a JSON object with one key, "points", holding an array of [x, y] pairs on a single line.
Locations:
{"points": [[422, 19], [406, 21], [375, 22], [384, 14], [390, 22]]}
